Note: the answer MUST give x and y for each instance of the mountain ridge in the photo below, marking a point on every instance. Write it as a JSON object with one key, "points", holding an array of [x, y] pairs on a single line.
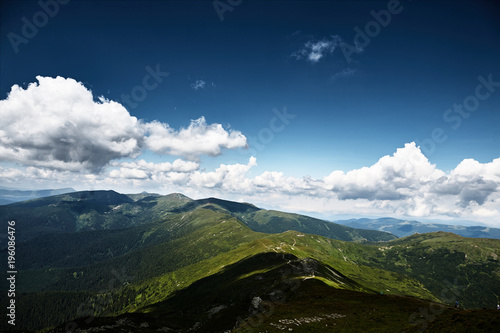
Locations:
{"points": [[10, 195], [165, 251], [100, 210], [403, 228]]}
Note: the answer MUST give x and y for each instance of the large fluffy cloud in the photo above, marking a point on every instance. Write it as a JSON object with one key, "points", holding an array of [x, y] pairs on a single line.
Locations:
{"points": [[391, 178], [57, 124], [470, 182]]}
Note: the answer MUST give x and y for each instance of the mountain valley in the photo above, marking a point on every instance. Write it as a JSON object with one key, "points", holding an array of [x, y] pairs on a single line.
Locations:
{"points": [[149, 263]]}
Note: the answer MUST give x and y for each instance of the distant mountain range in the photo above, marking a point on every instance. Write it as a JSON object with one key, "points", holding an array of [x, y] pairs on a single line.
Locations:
{"points": [[403, 228], [101, 261], [8, 196], [102, 210]]}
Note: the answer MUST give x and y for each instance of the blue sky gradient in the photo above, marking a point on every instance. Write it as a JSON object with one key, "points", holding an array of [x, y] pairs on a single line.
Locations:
{"points": [[348, 112]]}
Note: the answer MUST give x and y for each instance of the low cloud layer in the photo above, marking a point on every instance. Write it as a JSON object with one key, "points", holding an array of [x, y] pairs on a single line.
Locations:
{"points": [[58, 124], [402, 184]]}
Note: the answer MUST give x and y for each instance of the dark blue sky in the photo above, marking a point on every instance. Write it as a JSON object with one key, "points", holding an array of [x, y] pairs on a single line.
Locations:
{"points": [[426, 59], [260, 57]]}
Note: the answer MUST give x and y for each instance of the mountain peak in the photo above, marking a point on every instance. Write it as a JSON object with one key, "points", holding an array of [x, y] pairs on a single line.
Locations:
{"points": [[107, 197]]}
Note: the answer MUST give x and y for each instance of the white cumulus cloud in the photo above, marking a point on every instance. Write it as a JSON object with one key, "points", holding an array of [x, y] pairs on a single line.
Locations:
{"points": [[231, 178], [47, 127], [394, 177], [191, 142], [57, 124], [148, 170]]}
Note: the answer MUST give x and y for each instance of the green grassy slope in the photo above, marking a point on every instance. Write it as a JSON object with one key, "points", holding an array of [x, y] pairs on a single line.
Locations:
{"points": [[270, 221], [153, 249], [275, 292], [369, 278], [89, 247], [199, 263], [199, 235], [104, 210], [171, 254], [449, 265], [86, 210]]}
